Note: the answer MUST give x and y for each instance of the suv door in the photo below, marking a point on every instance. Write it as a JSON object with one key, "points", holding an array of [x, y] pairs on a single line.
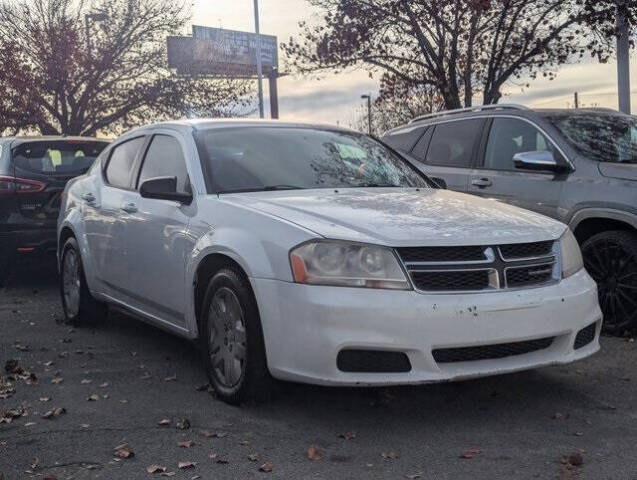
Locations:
{"points": [[496, 176], [157, 235], [106, 213], [447, 151]]}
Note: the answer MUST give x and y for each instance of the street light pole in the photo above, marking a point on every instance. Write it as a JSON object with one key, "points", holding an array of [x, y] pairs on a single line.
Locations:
{"points": [[259, 59], [369, 112], [623, 60]]}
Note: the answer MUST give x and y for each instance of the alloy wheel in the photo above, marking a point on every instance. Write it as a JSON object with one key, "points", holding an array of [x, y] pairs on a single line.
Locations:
{"points": [[615, 271], [227, 337]]}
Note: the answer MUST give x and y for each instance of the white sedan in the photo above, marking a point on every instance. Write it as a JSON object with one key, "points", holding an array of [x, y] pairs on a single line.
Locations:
{"points": [[317, 254]]}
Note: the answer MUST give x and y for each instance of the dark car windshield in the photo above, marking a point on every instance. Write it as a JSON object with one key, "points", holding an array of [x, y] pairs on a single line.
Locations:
{"points": [[600, 136], [275, 158], [59, 157]]}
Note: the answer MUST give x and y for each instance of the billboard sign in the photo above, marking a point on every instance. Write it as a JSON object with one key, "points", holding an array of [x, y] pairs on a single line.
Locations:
{"points": [[217, 51]]}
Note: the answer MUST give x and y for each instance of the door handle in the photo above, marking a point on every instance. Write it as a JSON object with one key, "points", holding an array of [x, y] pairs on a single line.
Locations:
{"points": [[129, 207], [89, 197], [482, 182]]}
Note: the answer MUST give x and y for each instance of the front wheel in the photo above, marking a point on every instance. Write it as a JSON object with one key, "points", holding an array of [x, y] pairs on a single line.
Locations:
{"points": [[232, 340], [78, 304], [611, 259]]}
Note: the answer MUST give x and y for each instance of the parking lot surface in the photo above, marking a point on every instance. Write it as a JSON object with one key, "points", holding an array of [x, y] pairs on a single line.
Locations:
{"points": [[80, 393]]}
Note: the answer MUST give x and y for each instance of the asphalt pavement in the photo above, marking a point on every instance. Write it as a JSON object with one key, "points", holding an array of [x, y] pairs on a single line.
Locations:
{"points": [[112, 400]]}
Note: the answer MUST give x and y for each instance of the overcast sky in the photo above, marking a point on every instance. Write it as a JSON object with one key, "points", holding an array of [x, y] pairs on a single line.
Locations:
{"points": [[336, 98]]}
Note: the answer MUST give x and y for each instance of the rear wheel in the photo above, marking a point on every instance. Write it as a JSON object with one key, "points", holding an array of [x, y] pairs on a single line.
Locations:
{"points": [[611, 259], [77, 302], [232, 340]]}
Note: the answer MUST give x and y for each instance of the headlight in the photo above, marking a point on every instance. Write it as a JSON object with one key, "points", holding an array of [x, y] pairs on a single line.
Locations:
{"points": [[328, 262], [571, 254]]}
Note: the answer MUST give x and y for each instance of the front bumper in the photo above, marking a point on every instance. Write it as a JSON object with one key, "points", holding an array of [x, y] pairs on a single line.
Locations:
{"points": [[305, 327]]}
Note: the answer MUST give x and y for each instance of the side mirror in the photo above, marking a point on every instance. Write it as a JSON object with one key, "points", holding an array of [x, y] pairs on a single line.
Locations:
{"points": [[164, 188], [539, 160]]}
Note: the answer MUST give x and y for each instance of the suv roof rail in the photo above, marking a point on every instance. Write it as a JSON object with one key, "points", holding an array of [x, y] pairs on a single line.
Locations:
{"points": [[479, 108]]}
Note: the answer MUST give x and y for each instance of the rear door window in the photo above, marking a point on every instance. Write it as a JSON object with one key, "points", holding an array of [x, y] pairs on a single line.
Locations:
{"points": [[164, 158], [404, 139], [57, 157], [119, 170], [453, 143]]}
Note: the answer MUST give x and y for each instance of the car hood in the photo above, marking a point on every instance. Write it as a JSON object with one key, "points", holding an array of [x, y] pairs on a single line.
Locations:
{"points": [[403, 217]]}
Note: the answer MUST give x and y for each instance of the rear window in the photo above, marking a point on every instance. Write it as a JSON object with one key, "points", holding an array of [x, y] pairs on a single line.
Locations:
{"points": [[62, 157]]}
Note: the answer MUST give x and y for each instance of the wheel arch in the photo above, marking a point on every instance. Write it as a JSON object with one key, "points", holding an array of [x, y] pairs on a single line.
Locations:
{"points": [[588, 222]]}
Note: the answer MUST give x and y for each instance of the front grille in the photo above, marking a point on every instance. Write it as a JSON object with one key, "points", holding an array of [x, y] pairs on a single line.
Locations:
{"points": [[526, 250], [490, 352], [481, 267], [451, 280], [585, 336], [529, 275], [441, 254], [372, 361]]}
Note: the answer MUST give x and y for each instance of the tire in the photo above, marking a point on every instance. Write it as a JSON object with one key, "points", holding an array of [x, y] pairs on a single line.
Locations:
{"points": [[78, 304], [231, 339], [611, 259]]}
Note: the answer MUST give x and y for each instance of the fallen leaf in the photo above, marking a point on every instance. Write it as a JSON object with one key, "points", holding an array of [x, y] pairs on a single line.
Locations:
{"points": [[413, 476], [184, 465], [45, 399], [575, 459], [351, 435], [183, 424], [561, 416], [213, 433], [124, 452], [155, 468], [57, 380], [472, 452], [217, 459], [54, 412], [267, 466], [164, 422], [253, 457], [171, 379], [313, 453], [168, 474], [86, 381], [390, 455], [93, 398], [185, 444], [104, 385]]}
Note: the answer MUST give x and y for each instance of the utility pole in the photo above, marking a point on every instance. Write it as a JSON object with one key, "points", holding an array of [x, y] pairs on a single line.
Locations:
{"points": [[259, 58], [576, 100], [369, 112], [623, 61]]}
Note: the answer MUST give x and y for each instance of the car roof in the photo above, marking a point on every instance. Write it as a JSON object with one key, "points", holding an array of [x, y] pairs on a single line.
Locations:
{"points": [[212, 123], [17, 140]]}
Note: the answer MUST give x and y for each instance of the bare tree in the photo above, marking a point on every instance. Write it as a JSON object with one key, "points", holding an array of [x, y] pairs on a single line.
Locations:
{"points": [[455, 46], [89, 66]]}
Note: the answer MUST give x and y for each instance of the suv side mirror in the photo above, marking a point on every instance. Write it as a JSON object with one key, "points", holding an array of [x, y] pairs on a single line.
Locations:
{"points": [[538, 160], [164, 188]]}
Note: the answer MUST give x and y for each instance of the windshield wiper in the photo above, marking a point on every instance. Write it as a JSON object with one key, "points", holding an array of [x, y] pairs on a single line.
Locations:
{"points": [[379, 185], [267, 188]]}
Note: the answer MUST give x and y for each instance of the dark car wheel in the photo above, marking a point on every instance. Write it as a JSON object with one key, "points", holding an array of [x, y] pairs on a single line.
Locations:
{"points": [[78, 304], [611, 259], [232, 340]]}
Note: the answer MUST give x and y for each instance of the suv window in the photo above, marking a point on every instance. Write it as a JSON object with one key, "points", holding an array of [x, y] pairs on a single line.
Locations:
{"points": [[57, 157], [405, 138], [452, 143], [164, 158], [509, 136], [120, 166]]}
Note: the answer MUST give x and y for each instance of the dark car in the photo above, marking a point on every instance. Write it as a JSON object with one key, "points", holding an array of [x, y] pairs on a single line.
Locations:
{"points": [[576, 165], [33, 173]]}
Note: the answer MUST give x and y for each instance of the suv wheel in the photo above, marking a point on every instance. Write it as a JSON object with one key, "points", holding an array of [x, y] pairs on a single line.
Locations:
{"points": [[611, 259], [232, 340], [77, 302]]}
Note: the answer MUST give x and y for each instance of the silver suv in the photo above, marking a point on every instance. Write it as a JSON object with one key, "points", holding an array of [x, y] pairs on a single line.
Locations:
{"points": [[578, 166]]}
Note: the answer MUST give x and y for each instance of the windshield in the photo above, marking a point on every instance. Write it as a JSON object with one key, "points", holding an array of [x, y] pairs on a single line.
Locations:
{"points": [[274, 158], [602, 137], [61, 157]]}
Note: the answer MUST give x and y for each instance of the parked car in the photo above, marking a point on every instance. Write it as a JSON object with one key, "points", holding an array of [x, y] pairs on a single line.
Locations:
{"points": [[316, 254], [578, 166], [33, 173]]}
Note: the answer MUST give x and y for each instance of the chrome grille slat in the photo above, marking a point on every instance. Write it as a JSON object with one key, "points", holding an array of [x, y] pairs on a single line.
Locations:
{"points": [[481, 268]]}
